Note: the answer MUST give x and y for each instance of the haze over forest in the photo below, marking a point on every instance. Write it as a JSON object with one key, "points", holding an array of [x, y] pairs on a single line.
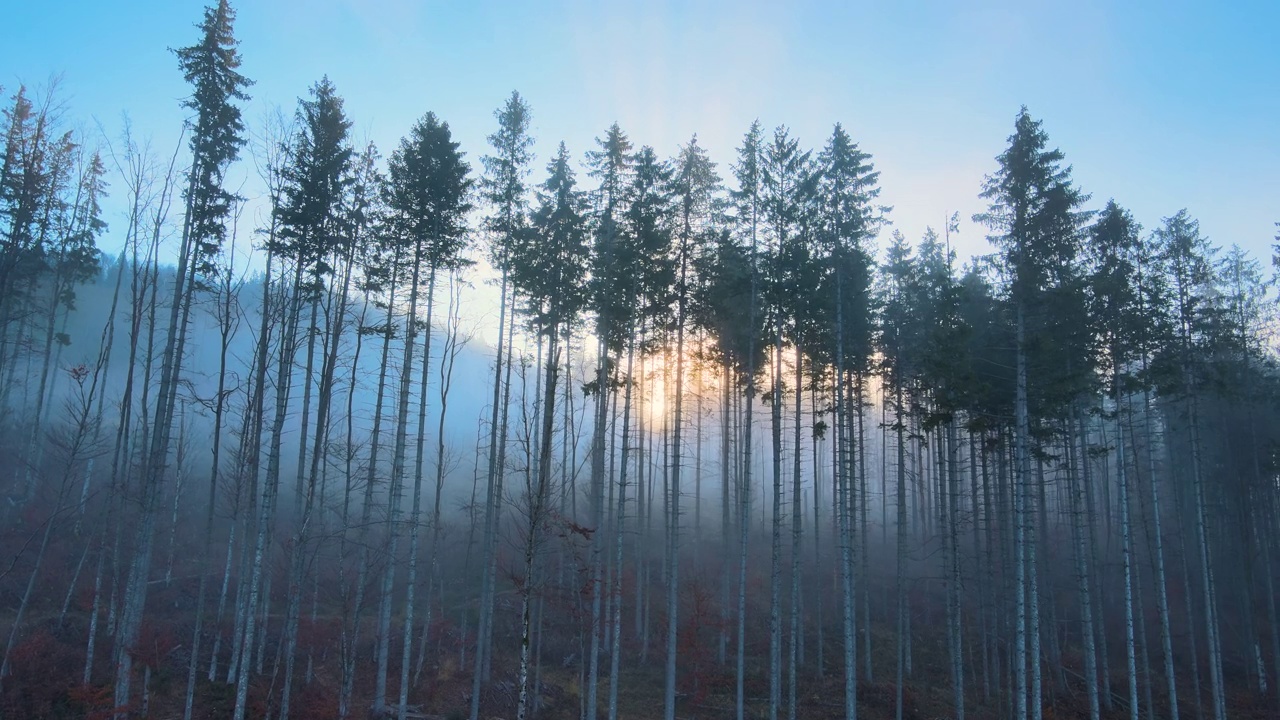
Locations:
{"points": [[485, 416]]}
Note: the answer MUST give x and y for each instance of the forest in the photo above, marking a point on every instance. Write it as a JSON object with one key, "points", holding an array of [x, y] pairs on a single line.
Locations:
{"points": [[735, 447]]}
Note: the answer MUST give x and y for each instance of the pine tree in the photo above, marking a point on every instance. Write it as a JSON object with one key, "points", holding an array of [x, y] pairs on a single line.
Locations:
{"points": [[1122, 321], [1187, 370], [548, 268], [943, 371], [898, 331], [749, 205], [850, 219], [693, 187], [1034, 216], [28, 189], [643, 271], [504, 189], [317, 176], [788, 187], [211, 68], [610, 302], [427, 192]]}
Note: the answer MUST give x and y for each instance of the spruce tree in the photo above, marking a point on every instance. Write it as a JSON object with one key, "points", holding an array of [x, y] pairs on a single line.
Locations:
{"points": [[849, 218], [211, 67], [35, 174], [693, 186], [1120, 322], [1187, 368], [609, 164], [504, 189], [748, 201], [643, 268], [1034, 217], [427, 201], [548, 268], [315, 177], [789, 185]]}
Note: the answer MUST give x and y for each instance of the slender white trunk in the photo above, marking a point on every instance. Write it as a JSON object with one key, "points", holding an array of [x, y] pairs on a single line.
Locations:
{"points": [[953, 590], [744, 533], [904, 618], [227, 327], [259, 579], [1021, 478], [1082, 569], [1162, 595], [415, 513], [796, 542], [1126, 554], [398, 473], [157, 451], [352, 631], [597, 519], [493, 498], [865, 526], [726, 521], [1206, 568], [615, 655], [222, 602], [452, 347], [775, 547], [538, 517]]}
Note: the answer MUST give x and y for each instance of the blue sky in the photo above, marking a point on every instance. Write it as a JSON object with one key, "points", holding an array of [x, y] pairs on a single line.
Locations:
{"points": [[1161, 105]]}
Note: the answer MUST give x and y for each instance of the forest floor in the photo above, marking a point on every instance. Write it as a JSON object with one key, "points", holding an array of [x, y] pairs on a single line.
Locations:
{"points": [[46, 666]]}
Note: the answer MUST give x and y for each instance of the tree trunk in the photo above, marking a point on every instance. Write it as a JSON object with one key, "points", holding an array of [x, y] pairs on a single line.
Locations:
{"points": [[352, 633], [1022, 477], [415, 514], [226, 325], [537, 519], [953, 589], [1082, 568], [493, 498], [398, 473], [796, 542], [156, 456], [1126, 553], [615, 653], [270, 494]]}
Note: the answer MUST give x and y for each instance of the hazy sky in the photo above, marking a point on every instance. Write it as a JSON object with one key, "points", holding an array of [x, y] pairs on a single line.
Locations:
{"points": [[1161, 105]]}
